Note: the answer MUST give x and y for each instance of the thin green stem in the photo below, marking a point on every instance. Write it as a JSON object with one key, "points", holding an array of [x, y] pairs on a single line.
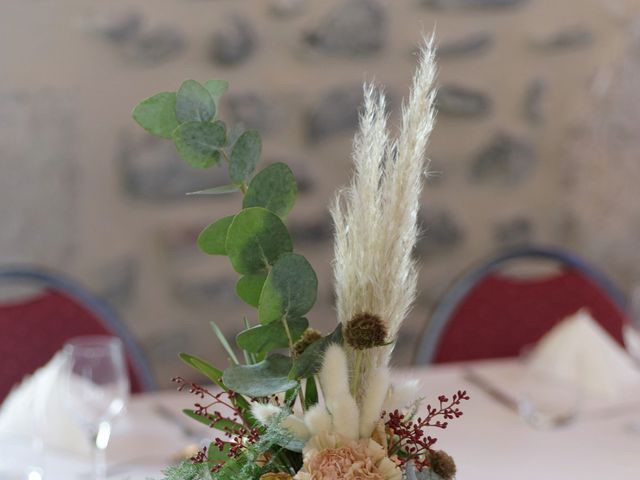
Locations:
{"points": [[292, 353], [301, 396], [288, 332], [356, 374]]}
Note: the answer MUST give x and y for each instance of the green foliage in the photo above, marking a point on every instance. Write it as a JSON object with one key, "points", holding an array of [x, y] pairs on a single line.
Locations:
{"points": [[255, 240], [249, 288], [310, 392], [225, 344], [309, 363], [221, 424], [216, 455], [262, 379], [212, 239], [289, 291], [216, 88], [157, 114], [247, 466], [199, 143], [263, 339], [274, 188], [245, 156], [205, 368], [186, 470], [280, 284], [194, 103]]}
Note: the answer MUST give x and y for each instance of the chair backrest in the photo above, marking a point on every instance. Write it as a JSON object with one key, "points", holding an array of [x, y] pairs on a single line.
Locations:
{"points": [[486, 314], [33, 329]]}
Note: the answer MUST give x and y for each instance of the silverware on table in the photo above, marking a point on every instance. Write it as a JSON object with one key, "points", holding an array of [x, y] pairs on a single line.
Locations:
{"points": [[493, 392], [524, 409], [170, 416]]}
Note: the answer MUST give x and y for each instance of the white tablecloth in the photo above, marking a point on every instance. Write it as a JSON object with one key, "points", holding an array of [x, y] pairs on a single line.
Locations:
{"points": [[490, 442]]}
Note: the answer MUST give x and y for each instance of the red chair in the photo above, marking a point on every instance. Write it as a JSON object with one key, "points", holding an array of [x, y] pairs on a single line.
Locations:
{"points": [[487, 314], [33, 329]]}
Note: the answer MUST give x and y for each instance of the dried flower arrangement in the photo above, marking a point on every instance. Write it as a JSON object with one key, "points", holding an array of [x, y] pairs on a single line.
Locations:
{"points": [[325, 409]]}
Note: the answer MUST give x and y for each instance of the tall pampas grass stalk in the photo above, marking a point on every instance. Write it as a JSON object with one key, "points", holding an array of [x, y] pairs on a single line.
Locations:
{"points": [[375, 217]]}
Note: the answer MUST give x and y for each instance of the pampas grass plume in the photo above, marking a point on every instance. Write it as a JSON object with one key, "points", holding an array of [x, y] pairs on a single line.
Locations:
{"points": [[375, 217]]}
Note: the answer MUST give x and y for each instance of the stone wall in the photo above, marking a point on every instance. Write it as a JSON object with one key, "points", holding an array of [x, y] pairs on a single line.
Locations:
{"points": [[535, 139]]}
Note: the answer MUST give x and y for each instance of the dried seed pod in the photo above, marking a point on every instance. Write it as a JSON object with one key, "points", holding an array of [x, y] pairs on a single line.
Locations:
{"points": [[309, 336], [442, 464], [365, 330]]}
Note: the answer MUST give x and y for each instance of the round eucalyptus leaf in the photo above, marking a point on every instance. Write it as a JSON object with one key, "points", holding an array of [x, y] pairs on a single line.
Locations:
{"points": [[199, 143], [262, 379], [194, 103], [256, 239], [289, 291], [216, 89], [245, 156], [157, 114], [249, 288], [265, 338], [213, 238], [273, 188]]}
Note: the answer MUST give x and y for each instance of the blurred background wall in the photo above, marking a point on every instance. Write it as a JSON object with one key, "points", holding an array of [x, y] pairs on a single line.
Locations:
{"points": [[537, 139]]}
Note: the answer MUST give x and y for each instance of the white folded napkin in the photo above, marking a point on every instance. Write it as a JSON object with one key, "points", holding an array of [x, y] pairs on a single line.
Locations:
{"points": [[579, 351], [36, 408]]}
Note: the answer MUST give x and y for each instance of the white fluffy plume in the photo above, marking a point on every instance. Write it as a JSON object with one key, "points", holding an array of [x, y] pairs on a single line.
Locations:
{"points": [[375, 217], [402, 395], [264, 412], [318, 419], [296, 426], [373, 400]]}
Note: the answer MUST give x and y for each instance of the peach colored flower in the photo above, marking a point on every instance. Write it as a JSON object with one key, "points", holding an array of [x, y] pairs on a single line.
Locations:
{"points": [[330, 456]]}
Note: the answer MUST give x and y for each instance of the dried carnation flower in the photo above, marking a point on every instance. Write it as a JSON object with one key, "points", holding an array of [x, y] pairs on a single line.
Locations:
{"points": [[333, 457], [442, 464], [309, 336], [365, 330]]}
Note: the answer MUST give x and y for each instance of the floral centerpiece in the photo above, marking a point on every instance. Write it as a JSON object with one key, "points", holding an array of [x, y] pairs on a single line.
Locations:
{"points": [[304, 405]]}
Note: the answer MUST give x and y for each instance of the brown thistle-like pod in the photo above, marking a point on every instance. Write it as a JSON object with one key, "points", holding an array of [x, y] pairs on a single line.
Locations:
{"points": [[365, 330]]}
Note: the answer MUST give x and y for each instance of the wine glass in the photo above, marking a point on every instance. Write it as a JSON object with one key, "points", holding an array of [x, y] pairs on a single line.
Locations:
{"points": [[97, 388]]}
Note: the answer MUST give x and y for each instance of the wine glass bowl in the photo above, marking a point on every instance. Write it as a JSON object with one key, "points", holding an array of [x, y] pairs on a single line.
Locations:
{"points": [[97, 388]]}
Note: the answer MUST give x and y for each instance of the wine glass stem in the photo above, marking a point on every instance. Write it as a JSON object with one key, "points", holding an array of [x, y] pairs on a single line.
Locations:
{"points": [[99, 463], [100, 442]]}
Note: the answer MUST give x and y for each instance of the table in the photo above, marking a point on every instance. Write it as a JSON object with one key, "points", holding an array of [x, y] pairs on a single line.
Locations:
{"points": [[490, 442]]}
